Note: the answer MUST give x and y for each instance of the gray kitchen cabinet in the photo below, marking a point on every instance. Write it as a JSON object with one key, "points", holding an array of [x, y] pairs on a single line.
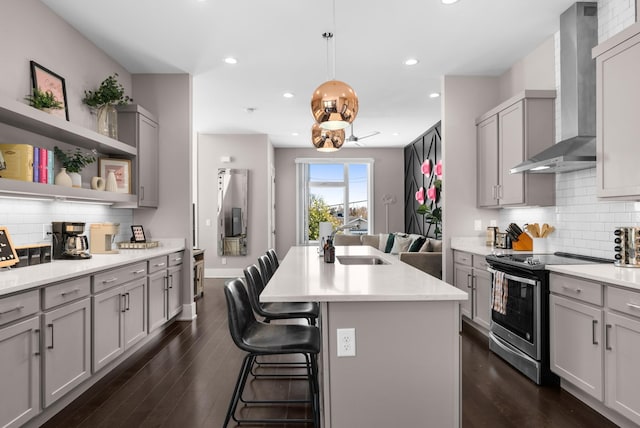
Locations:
{"points": [[174, 292], [158, 283], [617, 106], [462, 278], [19, 371], [575, 339], [119, 321], [506, 136], [66, 349], [471, 276], [139, 128]]}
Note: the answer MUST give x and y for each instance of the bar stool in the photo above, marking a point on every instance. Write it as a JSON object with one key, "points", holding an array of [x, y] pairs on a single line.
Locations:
{"points": [[277, 310], [274, 259], [266, 268], [257, 339]]}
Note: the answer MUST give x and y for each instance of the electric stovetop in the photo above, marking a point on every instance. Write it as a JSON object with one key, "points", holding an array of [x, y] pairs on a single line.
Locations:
{"points": [[539, 261]]}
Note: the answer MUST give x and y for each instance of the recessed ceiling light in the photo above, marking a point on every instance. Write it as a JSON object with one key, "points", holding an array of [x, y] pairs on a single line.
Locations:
{"points": [[434, 94], [295, 134], [395, 134], [288, 95], [449, 1], [411, 61], [230, 60]]}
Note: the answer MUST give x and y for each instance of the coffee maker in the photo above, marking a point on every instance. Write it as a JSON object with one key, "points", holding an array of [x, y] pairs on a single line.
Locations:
{"points": [[69, 241]]}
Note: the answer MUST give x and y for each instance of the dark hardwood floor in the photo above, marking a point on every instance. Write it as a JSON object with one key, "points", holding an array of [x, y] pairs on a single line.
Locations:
{"points": [[184, 379]]}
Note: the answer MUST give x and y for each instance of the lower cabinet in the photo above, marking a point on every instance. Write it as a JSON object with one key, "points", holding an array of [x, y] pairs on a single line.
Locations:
{"points": [[66, 351], [471, 275], [19, 372], [119, 321], [157, 307], [165, 288], [174, 302]]}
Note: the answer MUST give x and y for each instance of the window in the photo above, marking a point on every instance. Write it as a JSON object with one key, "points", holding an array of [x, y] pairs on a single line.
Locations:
{"points": [[334, 190]]}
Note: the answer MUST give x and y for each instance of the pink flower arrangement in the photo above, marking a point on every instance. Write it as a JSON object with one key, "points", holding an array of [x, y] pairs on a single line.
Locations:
{"points": [[420, 196], [426, 167], [432, 193], [439, 169]]}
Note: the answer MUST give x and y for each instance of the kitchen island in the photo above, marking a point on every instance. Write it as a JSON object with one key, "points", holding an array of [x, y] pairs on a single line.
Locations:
{"points": [[406, 368]]}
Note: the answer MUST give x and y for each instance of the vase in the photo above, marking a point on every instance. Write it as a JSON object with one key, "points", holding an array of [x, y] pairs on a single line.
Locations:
{"points": [[112, 184], [76, 179], [63, 179], [108, 121]]}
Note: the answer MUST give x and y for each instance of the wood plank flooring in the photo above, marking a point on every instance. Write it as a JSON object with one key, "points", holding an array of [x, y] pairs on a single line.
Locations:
{"points": [[185, 377]]}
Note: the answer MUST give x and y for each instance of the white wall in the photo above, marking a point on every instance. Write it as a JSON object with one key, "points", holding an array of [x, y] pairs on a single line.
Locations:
{"points": [[252, 152], [388, 179]]}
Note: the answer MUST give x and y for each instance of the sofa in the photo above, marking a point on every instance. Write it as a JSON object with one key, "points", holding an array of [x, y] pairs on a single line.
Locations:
{"points": [[418, 251]]}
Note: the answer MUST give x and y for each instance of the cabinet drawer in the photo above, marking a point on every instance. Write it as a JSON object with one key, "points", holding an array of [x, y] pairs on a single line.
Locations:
{"points": [[111, 278], [67, 291], [480, 262], [18, 306], [462, 258], [176, 258], [622, 300], [586, 291], [157, 264]]}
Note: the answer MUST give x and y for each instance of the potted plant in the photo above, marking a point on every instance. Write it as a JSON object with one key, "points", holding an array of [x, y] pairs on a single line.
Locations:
{"points": [[43, 100], [104, 99], [72, 163]]}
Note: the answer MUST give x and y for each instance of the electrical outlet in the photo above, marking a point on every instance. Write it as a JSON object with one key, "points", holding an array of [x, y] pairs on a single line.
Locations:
{"points": [[346, 342], [224, 260], [493, 223], [46, 232], [477, 225]]}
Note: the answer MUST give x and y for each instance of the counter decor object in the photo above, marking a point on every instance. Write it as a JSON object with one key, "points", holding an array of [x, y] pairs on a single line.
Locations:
{"points": [[97, 183], [8, 256], [111, 184], [124, 245], [63, 179], [104, 100], [73, 162]]}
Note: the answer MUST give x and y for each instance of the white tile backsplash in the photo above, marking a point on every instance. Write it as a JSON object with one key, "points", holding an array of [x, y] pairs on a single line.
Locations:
{"points": [[584, 224]]}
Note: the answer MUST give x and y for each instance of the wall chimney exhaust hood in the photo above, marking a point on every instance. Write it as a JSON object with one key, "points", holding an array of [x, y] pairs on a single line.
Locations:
{"points": [[577, 150]]}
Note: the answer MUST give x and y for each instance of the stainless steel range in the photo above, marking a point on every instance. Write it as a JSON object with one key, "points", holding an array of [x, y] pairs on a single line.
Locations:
{"points": [[519, 331]]}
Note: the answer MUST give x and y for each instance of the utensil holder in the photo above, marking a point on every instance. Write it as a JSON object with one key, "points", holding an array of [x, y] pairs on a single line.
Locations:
{"points": [[524, 243]]}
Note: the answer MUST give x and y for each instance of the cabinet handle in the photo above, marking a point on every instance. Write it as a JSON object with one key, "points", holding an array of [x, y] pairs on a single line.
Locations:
{"points": [[51, 327], [575, 290], [64, 293], [633, 306], [123, 302], [142, 193], [37, 332], [166, 283], [606, 337], [17, 308], [128, 301], [159, 264], [135, 272], [171, 283], [500, 195], [468, 278], [593, 331], [107, 281], [177, 259]]}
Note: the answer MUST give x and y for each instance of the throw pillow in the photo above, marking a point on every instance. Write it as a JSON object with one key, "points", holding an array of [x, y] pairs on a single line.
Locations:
{"points": [[401, 244], [372, 241], [389, 246], [426, 247], [417, 244], [436, 245], [382, 243]]}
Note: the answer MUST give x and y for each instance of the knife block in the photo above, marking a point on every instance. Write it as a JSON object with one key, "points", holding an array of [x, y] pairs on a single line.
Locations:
{"points": [[524, 243]]}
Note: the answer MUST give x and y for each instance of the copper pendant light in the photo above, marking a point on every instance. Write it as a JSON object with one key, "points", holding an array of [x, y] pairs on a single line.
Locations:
{"points": [[325, 140]]}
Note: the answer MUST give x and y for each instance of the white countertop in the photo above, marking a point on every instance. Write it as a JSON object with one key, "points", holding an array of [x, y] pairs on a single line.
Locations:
{"points": [[24, 278], [304, 276], [606, 273]]}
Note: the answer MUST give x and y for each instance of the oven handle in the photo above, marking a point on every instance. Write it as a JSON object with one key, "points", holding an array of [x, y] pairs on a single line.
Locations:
{"points": [[515, 278]]}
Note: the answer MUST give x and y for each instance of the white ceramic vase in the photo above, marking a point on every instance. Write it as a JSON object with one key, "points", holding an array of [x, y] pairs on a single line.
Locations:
{"points": [[63, 179], [76, 179], [112, 184]]}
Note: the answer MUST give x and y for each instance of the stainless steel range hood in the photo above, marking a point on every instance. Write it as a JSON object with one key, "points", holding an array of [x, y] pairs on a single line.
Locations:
{"points": [[577, 150]]}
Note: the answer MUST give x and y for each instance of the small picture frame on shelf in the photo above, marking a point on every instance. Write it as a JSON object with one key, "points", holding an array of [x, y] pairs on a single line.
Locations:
{"points": [[8, 256], [46, 80], [121, 168], [137, 233]]}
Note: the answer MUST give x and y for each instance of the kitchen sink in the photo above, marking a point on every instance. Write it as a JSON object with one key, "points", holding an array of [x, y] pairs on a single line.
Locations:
{"points": [[361, 260]]}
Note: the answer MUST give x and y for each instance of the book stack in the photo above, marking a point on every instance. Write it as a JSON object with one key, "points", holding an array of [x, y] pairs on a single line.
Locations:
{"points": [[27, 163]]}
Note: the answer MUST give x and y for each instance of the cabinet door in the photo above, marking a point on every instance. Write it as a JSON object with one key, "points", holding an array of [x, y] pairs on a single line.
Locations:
{"points": [[462, 278], [487, 162], [622, 348], [108, 342], [617, 124], [511, 138], [148, 177], [135, 315], [20, 372], [482, 297], [66, 349], [175, 290], [157, 294], [576, 344]]}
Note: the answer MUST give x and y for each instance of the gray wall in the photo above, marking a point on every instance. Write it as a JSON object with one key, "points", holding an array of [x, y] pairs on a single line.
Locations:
{"points": [[388, 179]]}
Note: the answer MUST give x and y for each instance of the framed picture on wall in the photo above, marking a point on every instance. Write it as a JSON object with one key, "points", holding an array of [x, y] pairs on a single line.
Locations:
{"points": [[46, 80], [121, 168]]}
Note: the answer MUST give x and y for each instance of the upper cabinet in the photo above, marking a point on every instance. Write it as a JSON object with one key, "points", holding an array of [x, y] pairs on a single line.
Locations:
{"points": [[506, 136], [617, 106]]}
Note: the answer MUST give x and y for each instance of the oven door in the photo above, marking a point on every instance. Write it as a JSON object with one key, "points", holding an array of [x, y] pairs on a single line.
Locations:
{"points": [[520, 325]]}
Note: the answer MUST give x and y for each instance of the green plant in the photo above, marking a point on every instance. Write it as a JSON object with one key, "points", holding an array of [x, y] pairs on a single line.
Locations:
{"points": [[43, 99], [74, 161], [110, 91]]}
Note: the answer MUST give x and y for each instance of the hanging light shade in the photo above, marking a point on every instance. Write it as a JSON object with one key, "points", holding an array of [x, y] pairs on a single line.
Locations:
{"points": [[326, 140], [334, 105]]}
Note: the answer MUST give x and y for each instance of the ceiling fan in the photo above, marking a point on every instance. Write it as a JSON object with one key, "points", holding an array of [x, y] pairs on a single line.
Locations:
{"points": [[355, 139]]}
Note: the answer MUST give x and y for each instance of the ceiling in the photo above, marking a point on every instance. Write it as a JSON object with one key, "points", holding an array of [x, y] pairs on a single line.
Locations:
{"points": [[280, 48]]}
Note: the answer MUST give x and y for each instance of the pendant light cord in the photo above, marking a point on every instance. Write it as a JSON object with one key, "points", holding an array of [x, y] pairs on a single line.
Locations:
{"points": [[333, 77]]}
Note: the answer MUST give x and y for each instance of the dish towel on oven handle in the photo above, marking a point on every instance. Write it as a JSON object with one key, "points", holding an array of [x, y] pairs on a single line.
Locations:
{"points": [[499, 293]]}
